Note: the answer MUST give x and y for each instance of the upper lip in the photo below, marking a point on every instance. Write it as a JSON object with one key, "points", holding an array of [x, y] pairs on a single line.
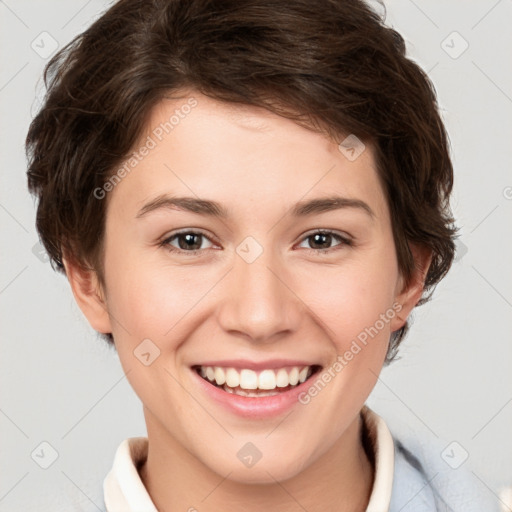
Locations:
{"points": [[256, 366]]}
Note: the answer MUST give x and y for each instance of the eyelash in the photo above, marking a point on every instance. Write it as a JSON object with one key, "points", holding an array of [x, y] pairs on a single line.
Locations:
{"points": [[344, 241]]}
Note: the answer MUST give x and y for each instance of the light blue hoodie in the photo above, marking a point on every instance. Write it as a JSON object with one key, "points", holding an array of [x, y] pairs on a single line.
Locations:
{"points": [[424, 482]]}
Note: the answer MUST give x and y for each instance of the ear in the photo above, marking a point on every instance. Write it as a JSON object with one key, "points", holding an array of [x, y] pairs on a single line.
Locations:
{"points": [[89, 295], [408, 296]]}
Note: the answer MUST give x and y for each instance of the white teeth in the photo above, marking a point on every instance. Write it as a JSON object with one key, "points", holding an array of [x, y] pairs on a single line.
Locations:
{"points": [[210, 374], [220, 376], [294, 376], [252, 394], [232, 378], [267, 379], [303, 374], [246, 379], [282, 378]]}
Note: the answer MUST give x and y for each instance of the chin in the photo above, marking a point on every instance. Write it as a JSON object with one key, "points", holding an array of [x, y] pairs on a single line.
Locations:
{"points": [[262, 472]]}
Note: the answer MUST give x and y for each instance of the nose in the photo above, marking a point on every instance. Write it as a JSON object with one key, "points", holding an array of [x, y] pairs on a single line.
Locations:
{"points": [[259, 302]]}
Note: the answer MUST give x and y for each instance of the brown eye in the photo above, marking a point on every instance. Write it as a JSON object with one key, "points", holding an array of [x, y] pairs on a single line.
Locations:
{"points": [[187, 241], [321, 241]]}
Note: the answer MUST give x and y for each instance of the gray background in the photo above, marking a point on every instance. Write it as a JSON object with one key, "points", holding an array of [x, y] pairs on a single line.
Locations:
{"points": [[61, 384]]}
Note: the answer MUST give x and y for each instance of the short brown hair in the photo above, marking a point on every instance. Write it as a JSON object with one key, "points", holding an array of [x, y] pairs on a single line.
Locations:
{"points": [[330, 65]]}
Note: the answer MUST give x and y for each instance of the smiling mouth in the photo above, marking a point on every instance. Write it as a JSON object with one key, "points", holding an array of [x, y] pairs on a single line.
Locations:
{"points": [[249, 383]]}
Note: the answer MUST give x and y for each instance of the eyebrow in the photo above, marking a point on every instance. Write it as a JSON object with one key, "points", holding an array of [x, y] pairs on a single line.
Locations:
{"points": [[214, 209]]}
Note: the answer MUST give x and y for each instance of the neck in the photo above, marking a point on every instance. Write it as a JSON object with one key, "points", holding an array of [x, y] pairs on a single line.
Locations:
{"points": [[340, 479]]}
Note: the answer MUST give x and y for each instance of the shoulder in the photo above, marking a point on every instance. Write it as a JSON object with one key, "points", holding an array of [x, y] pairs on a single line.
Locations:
{"points": [[424, 481]]}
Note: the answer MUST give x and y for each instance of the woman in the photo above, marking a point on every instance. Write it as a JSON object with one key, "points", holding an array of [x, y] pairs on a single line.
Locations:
{"points": [[248, 200]]}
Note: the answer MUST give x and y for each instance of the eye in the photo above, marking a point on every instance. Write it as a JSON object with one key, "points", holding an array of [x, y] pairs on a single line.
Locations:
{"points": [[190, 242], [322, 238]]}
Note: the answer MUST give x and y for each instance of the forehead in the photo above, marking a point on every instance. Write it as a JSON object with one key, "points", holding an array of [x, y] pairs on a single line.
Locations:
{"points": [[242, 154]]}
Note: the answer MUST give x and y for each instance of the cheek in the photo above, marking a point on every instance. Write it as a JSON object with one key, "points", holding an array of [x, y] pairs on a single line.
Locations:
{"points": [[352, 297], [151, 299]]}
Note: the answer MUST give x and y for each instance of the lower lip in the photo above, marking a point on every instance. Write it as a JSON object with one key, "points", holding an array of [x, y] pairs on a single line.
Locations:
{"points": [[253, 407]]}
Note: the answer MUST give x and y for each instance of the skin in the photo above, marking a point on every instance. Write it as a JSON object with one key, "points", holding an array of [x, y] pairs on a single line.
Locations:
{"points": [[294, 301]]}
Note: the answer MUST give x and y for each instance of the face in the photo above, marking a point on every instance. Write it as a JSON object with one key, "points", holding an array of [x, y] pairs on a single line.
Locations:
{"points": [[277, 289]]}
